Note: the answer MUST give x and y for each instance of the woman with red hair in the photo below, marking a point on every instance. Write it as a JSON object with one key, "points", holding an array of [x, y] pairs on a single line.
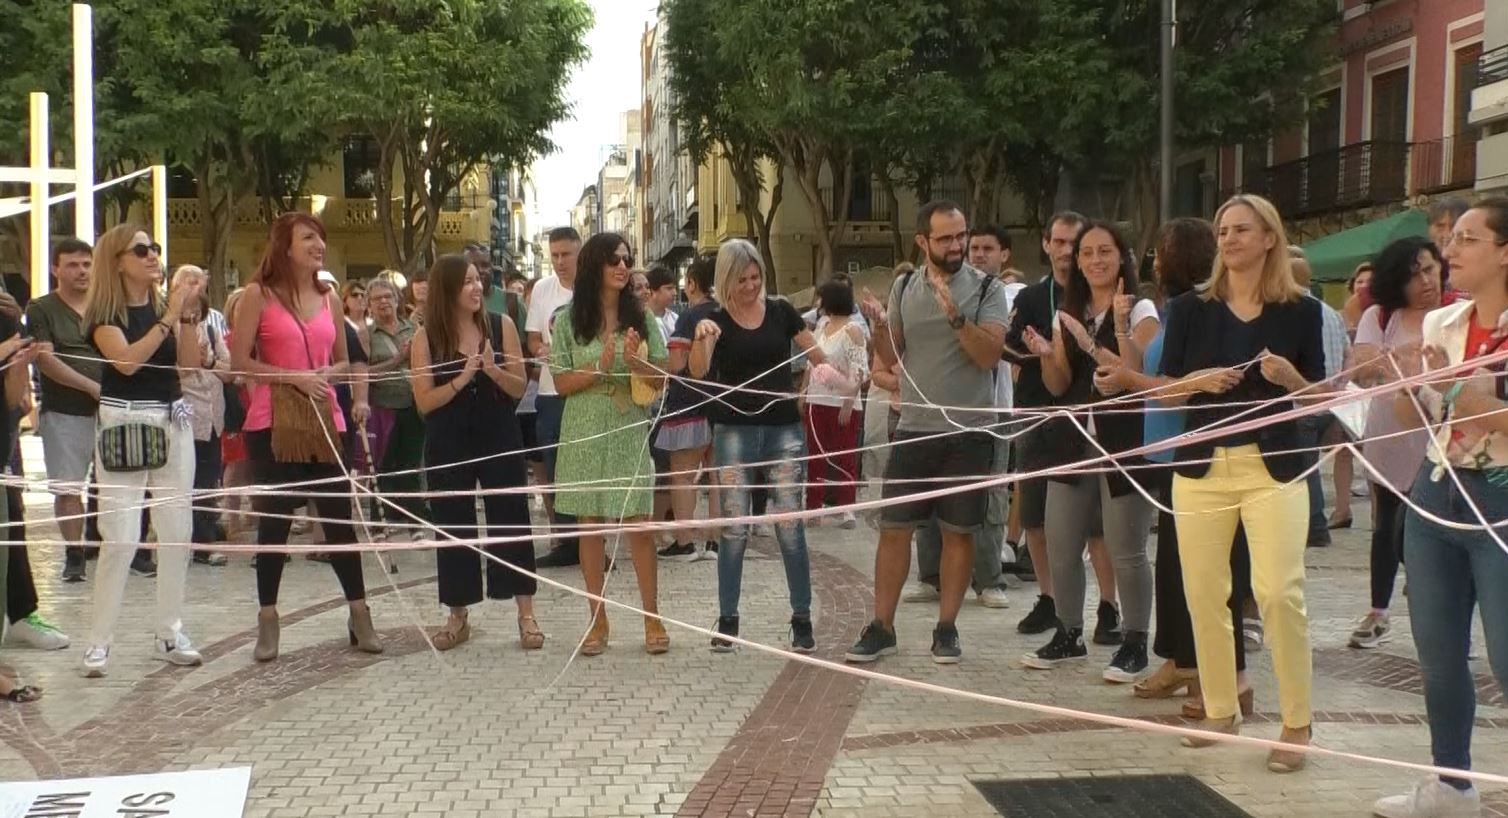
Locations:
{"points": [[289, 342]]}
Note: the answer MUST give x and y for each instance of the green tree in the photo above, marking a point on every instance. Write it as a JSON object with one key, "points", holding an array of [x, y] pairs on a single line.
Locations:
{"points": [[711, 117], [446, 88]]}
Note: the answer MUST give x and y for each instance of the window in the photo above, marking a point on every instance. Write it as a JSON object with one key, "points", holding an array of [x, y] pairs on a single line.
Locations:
{"points": [[360, 157]]}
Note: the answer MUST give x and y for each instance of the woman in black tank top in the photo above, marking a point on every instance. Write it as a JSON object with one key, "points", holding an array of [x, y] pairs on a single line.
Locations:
{"points": [[467, 374]]}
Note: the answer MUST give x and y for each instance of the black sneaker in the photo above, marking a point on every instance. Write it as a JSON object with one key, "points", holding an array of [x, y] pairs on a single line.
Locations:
{"points": [[73, 564], [1043, 617], [1107, 631], [679, 553], [945, 649], [561, 556], [802, 640], [1066, 646], [142, 565], [726, 625], [874, 642], [1130, 662]]}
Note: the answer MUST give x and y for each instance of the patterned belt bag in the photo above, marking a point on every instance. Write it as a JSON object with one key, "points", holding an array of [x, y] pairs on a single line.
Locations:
{"points": [[133, 447]]}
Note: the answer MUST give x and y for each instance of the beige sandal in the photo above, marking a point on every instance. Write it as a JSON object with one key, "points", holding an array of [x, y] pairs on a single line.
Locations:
{"points": [[529, 634], [457, 629]]}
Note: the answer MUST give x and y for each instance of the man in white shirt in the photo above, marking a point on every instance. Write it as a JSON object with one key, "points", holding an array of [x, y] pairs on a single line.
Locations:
{"points": [[550, 295]]}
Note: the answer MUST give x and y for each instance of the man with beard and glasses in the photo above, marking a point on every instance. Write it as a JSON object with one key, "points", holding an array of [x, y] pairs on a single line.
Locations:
{"points": [[945, 324]]}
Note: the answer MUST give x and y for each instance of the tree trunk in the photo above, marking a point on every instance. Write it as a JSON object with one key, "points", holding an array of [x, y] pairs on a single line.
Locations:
{"points": [[382, 192], [1143, 205], [897, 242], [743, 161], [218, 200], [806, 160]]}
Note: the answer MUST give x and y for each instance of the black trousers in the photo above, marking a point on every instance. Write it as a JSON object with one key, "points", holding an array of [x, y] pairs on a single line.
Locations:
{"points": [[459, 566], [1387, 543], [207, 474], [1174, 638], [330, 499], [20, 591]]}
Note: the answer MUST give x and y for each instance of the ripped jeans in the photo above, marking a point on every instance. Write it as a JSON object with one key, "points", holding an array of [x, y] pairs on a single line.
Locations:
{"points": [[780, 448]]}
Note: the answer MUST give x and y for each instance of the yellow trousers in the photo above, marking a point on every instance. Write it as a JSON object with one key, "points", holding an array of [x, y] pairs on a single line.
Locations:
{"points": [[1206, 510]]}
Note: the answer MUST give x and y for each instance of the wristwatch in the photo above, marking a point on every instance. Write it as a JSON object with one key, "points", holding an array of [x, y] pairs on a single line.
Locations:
{"points": [[957, 321]]}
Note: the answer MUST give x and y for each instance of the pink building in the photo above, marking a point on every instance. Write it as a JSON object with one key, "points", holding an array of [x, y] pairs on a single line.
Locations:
{"points": [[1388, 119]]}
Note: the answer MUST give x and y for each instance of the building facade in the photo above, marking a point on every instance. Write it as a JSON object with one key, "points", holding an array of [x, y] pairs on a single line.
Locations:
{"points": [[1489, 102], [1389, 123], [668, 179], [340, 193]]}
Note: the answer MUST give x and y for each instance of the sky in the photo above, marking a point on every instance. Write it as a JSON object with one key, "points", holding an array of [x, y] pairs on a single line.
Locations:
{"points": [[600, 90]]}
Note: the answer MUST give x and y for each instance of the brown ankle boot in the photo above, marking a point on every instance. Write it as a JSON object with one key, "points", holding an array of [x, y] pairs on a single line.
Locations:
{"points": [[363, 634], [268, 631]]}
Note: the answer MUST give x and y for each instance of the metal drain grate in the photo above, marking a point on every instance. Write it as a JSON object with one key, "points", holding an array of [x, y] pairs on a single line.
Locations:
{"points": [[1130, 796]]}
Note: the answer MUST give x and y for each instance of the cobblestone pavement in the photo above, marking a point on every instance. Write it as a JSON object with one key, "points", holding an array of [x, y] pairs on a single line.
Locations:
{"points": [[487, 730]]}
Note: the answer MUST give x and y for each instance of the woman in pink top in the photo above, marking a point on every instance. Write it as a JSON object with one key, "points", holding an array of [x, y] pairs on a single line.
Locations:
{"points": [[1406, 285], [288, 334]]}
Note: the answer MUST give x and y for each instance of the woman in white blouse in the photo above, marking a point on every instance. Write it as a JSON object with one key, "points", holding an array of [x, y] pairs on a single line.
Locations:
{"points": [[832, 417], [1453, 570]]}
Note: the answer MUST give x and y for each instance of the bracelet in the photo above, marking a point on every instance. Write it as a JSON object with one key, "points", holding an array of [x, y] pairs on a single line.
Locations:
{"points": [[1454, 392], [455, 386], [165, 326]]}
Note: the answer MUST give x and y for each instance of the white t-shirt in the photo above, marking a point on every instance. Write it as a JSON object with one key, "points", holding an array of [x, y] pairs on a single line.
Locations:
{"points": [[548, 296], [1005, 392]]}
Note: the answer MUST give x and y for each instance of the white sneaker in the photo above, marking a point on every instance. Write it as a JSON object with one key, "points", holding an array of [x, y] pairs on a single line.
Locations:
{"points": [[178, 651], [993, 598], [96, 661], [417, 535], [379, 534], [36, 632], [848, 521], [1431, 798], [920, 592]]}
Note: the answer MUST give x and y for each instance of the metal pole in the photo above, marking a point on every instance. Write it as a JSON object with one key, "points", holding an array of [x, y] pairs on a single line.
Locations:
{"points": [[1165, 169], [160, 211], [41, 230], [83, 122]]}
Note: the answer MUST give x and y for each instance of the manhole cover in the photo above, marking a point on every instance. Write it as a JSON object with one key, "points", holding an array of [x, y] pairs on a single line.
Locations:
{"points": [[1130, 796]]}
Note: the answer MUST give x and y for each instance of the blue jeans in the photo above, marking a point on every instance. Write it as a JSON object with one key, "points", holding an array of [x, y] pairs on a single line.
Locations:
{"points": [[733, 445], [1310, 429], [1449, 571], [548, 411]]}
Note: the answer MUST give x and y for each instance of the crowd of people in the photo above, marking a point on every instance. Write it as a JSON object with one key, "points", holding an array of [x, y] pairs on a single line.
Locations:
{"points": [[1004, 426]]}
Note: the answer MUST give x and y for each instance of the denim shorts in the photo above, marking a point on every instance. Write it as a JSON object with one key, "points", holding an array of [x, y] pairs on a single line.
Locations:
{"points": [[925, 456]]}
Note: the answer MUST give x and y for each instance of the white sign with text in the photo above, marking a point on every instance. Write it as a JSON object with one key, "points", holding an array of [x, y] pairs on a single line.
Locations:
{"points": [[193, 794]]}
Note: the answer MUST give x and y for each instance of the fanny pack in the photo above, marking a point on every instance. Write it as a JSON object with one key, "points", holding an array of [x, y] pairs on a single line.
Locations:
{"points": [[133, 447]]}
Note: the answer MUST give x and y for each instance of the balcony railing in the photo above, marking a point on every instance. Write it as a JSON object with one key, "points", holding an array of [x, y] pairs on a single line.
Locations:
{"points": [[1357, 175], [338, 214], [1492, 66], [1445, 164]]}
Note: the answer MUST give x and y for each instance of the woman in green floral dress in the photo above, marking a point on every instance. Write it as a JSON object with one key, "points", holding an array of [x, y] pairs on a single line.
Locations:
{"points": [[603, 465]]}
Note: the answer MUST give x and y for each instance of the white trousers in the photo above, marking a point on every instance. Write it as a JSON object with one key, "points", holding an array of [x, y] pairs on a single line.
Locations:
{"points": [[120, 508]]}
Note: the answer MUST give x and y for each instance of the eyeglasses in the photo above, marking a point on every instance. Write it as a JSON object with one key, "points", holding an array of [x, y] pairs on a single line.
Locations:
{"points": [[1467, 240], [142, 250], [948, 241], [627, 262]]}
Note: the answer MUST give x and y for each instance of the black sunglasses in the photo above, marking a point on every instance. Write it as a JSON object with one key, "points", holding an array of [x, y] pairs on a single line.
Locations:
{"points": [[626, 261], [141, 250]]}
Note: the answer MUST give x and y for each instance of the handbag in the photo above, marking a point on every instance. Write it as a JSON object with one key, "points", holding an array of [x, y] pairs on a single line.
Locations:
{"points": [[303, 429], [133, 447]]}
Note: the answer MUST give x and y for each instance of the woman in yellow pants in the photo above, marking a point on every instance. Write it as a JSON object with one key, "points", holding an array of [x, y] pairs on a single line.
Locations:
{"points": [[1241, 345]]}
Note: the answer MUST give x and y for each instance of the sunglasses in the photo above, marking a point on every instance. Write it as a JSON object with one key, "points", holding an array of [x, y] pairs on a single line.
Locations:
{"points": [[142, 250], [625, 261]]}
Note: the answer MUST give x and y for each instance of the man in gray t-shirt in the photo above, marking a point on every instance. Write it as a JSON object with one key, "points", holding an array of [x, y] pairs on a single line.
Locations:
{"points": [[945, 323]]}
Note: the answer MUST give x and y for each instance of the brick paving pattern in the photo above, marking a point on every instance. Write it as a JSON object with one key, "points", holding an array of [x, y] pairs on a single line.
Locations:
{"points": [[481, 731]]}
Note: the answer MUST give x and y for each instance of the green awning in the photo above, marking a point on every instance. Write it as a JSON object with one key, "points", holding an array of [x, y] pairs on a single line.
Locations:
{"points": [[1334, 257]]}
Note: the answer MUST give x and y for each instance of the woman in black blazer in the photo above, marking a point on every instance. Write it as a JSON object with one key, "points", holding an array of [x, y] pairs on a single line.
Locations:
{"points": [[1243, 344]]}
